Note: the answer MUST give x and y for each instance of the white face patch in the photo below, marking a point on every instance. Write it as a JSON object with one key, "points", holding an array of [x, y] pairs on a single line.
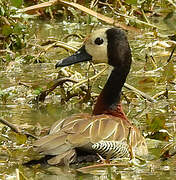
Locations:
{"points": [[97, 51]]}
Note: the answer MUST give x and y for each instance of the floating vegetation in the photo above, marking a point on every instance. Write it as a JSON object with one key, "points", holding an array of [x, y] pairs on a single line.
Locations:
{"points": [[33, 95]]}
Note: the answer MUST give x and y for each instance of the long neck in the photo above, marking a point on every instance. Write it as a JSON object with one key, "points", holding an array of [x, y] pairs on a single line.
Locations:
{"points": [[109, 99]]}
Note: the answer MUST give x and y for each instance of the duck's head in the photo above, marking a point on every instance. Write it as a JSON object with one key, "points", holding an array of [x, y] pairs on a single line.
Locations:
{"points": [[108, 45]]}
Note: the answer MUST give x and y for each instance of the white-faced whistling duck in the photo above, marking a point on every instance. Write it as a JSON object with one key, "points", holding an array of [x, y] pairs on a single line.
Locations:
{"points": [[106, 131]]}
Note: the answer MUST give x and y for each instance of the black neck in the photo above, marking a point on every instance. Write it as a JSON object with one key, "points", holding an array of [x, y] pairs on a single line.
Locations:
{"points": [[119, 56], [112, 90]]}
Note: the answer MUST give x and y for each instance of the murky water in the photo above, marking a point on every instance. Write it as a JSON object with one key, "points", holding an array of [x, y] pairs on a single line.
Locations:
{"points": [[20, 82]]}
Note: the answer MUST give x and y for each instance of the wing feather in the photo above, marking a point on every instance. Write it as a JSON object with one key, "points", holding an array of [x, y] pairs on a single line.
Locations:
{"points": [[82, 131]]}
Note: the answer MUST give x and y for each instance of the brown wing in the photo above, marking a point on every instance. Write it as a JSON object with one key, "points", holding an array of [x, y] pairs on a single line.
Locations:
{"points": [[82, 131]]}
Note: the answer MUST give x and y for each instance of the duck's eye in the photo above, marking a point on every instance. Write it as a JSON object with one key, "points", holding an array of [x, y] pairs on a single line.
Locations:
{"points": [[99, 41]]}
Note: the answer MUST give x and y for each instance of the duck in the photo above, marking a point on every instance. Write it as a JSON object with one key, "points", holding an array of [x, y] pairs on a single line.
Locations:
{"points": [[107, 132]]}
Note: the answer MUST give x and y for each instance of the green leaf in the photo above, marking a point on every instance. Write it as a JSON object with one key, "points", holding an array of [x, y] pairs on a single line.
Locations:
{"points": [[169, 72], [2, 11], [21, 138], [18, 28], [7, 30], [17, 3], [131, 2], [158, 122], [37, 91]]}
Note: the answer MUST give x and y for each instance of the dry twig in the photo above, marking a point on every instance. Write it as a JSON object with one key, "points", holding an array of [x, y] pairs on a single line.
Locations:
{"points": [[99, 16], [16, 128], [41, 97]]}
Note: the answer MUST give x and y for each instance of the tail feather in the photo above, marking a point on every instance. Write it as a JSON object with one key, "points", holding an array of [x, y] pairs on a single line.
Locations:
{"points": [[44, 140], [65, 158], [56, 145], [54, 142], [58, 150]]}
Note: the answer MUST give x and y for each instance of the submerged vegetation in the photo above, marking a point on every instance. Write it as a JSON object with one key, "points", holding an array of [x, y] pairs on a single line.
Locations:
{"points": [[33, 95]]}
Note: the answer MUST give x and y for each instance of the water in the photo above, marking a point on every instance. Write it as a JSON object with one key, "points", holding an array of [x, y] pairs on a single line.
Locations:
{"points": [[21, 81]]}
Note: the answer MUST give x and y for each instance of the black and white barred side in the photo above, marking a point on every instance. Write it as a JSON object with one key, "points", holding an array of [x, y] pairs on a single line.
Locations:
{"points": [[112, 149]]}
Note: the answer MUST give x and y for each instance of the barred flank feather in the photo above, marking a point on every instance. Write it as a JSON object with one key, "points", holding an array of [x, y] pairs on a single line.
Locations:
{"points": [[114, 149]]}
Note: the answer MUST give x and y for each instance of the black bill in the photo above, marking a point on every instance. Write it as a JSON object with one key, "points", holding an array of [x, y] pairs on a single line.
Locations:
{"points": [[80, 56]]}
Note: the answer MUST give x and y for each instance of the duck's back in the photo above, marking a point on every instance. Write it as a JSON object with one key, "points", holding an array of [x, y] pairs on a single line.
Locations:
{"points": [[86, 132]]}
